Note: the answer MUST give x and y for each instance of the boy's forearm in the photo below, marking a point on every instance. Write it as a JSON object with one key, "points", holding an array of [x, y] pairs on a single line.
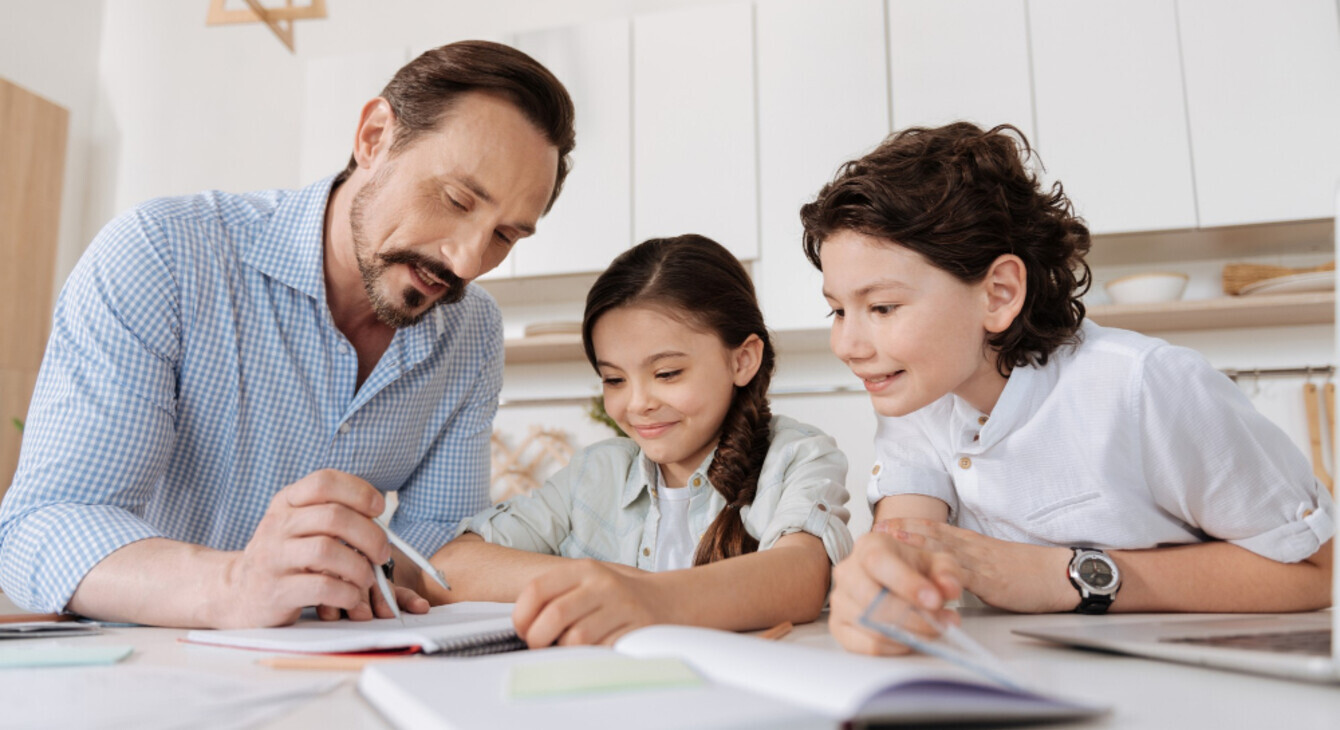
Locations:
{"points": [[480, 571], [788, 582], [1219, 577]]}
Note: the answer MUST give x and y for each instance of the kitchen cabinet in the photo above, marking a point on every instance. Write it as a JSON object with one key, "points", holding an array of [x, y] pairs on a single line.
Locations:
{"points": [[694, 146], [1111, 121], [1263, 103], [591, 222], [959, 59], [32, 165], [822, 100]]}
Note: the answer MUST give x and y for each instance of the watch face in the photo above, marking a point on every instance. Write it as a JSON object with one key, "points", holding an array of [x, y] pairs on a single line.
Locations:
{"points": [[1095, 572]]}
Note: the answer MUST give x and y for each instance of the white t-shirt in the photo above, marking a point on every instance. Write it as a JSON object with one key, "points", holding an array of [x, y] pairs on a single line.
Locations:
{"points": [[1121, 442], [674, 543]]}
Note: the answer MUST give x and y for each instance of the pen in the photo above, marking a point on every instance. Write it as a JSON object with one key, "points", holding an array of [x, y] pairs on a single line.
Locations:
{"points": [[414, 555]]}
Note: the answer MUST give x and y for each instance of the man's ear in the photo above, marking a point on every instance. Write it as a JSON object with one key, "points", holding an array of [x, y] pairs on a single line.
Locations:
{"points": [[1004, 286], [375, 132], [746, 360]]}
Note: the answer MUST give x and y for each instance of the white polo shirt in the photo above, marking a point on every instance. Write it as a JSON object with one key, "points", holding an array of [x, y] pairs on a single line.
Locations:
{"points": [[1121, 442]]}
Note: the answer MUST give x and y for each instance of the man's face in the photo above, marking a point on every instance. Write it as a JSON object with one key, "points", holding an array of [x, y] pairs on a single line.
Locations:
{"points": [[448, 208]]}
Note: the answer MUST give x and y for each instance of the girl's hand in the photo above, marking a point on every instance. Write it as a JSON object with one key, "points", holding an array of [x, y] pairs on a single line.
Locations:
{"points": [[585, 602], [1014, 576], [910, 574]]}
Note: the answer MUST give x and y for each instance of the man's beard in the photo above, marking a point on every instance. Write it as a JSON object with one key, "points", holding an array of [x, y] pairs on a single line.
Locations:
{"points": [[395, 314]]}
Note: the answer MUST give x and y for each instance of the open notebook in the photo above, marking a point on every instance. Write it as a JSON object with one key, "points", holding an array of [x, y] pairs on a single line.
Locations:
{"points": [[745, 682], [458, 629]]}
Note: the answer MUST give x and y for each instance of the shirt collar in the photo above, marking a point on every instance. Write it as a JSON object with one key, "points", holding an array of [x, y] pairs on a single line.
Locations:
{"points": [[645, 474], [290, 249], [1026, 390]]}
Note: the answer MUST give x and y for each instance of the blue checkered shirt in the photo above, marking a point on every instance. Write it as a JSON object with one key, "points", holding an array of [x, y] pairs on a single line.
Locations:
{"points": [[194, 370]]}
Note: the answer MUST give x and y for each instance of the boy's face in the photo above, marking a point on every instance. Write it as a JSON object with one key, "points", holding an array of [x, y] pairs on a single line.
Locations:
{"points": [[911, 332]]}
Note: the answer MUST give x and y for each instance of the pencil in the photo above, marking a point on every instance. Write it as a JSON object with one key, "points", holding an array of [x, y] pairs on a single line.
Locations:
{"points": [[778, 631]]}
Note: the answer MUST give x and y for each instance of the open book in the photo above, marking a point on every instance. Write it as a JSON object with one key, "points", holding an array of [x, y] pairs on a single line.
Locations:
{"points": [[457, 629], [746, 682]]}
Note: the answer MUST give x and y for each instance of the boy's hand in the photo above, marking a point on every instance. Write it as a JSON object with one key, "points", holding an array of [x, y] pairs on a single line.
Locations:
{"points": [[911, 574], [1014, 576], [586, 602]]}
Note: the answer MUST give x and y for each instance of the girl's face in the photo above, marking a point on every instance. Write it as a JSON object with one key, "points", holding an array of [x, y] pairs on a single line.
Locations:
{"points": [[910, 331], [668, 385]]}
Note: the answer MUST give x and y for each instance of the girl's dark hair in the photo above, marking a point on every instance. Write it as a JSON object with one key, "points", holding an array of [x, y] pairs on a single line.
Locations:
{"points": [[962, 197], [423, 91], [696, 280]]}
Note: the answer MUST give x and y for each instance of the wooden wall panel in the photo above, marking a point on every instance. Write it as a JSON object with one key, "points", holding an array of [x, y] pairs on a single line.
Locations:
{"points": [[32, 163]]}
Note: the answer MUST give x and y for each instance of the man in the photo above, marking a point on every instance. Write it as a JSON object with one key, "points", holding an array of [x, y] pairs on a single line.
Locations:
{"points": [[233, 381]]}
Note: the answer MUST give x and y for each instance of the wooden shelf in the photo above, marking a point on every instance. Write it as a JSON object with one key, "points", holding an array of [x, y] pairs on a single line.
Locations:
{"points": [[1274, 310]]}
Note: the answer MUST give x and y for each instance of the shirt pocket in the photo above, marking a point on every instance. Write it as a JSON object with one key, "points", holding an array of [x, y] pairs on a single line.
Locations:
{"points": [[1064, 508]]}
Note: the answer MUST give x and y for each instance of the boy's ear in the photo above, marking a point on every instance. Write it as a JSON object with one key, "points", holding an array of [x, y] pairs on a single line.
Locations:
{"points": [[375, 132], [1004, 285], [746, 360]]}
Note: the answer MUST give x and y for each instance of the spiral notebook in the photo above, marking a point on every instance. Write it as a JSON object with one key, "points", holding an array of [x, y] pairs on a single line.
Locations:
{"points": [[458, 629]]}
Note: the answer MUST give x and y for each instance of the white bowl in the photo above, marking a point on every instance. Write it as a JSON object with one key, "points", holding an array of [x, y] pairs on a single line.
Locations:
{"points": [[1155, 286]]}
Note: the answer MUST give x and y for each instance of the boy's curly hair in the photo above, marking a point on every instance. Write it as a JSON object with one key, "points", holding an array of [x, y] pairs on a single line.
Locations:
{"points": [[962, 197]]}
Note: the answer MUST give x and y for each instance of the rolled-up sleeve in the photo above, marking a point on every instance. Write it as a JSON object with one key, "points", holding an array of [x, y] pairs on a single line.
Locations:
{"points": [[804, 479], [1218, 464], [905, 463], [101, 424], [537, 521]]}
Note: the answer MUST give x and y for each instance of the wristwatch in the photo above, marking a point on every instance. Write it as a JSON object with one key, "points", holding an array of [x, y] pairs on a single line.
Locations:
{"points": [[1096, 577]]}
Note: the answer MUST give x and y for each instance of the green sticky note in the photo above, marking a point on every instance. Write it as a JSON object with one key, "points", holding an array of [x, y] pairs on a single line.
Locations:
{"points": [[602, 674], [61, 656]]}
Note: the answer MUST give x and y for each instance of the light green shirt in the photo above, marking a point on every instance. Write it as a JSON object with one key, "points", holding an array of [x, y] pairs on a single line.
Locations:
{"points": [[603, 504]]}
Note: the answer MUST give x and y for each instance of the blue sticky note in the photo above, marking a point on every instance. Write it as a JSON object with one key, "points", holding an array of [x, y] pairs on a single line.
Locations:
{"points": [[61, 656]]}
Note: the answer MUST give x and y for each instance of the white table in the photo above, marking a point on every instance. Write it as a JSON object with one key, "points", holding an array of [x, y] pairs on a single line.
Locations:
{"points": [[1144, 694]]}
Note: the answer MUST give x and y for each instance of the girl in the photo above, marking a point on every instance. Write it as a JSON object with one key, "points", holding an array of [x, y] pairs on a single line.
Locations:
{"points": [[713, 512], [1037, 460]]}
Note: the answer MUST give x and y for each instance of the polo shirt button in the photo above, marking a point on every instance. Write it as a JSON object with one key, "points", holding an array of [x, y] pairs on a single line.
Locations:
{"points": [[822, 507], [697, 481], [344, 428], [646, 552], [875, 471], [964, 462], [981, 420]]}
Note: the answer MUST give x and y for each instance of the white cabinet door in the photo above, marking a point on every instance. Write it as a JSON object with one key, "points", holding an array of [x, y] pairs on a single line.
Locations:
{"points": [[822, 100], [1111, 118], [591, 221], [336, 89], [1263, 96], [959, 59], [694, 159]]}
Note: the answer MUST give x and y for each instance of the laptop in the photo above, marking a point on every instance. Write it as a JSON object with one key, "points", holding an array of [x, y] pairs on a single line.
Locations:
{"points": [[1294, 646]]}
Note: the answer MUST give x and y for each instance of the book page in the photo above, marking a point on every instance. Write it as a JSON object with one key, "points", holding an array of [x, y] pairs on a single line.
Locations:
{"points": [[311, 635], [835, 683]]}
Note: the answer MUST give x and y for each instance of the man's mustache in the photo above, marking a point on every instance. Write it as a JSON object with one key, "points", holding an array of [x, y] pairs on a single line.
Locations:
{"points": [[441, 273]]}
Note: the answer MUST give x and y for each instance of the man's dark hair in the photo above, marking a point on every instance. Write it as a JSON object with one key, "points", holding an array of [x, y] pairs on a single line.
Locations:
{"points": [[423, 91], [961, 197]]}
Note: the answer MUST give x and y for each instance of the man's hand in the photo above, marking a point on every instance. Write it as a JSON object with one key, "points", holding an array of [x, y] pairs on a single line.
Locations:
{"points": [[585, 602], [312, 548], [1014, 576], [915, 576]]}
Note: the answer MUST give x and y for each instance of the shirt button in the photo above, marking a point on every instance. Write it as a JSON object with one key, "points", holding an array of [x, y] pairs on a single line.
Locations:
{"points": [[964, 462], [822, 507], [875, 471], [981, 420], [697, 481], [646, 552], [344, 349], [344, 428]]}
